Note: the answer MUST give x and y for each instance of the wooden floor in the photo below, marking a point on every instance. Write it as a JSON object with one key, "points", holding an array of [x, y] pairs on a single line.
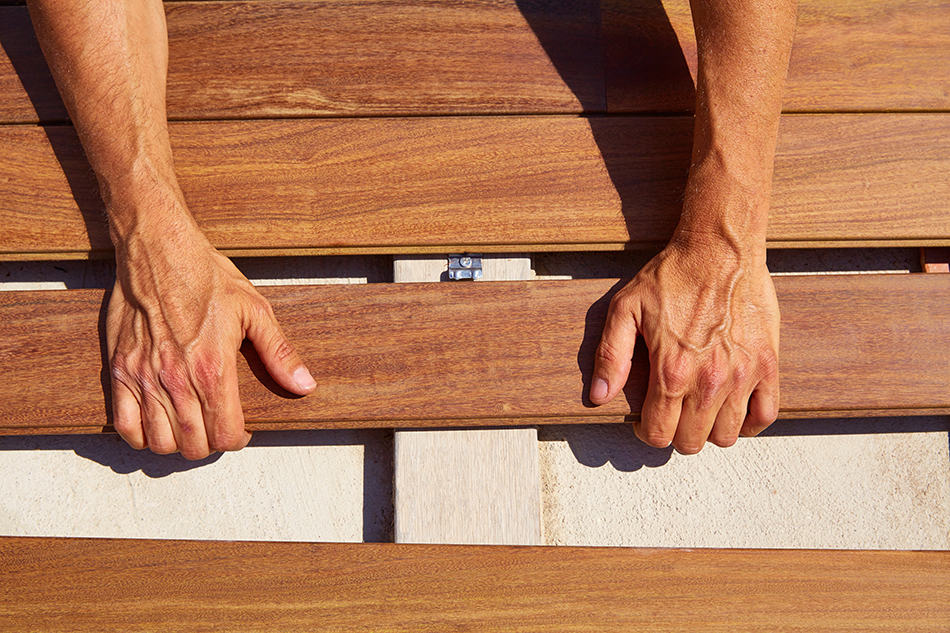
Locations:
{"points": [[492, 353], [397, 126], [301, 58], [512, 183], [97, 585]]}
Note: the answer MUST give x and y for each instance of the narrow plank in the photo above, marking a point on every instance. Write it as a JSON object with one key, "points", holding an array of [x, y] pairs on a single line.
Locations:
{"points": [[100, 584], [860, 55], [275, 58], [474, 486], [280, 58], [492, 184], [382, 355]]}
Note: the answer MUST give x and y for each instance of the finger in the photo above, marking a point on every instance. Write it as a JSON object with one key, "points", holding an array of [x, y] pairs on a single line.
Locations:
{"points": [[158, 427], [614, 354], [224, 418], [763, 408], [695, 423], [188, 427], [725, 431], [660, 414], [127, 416], [279, 356]]}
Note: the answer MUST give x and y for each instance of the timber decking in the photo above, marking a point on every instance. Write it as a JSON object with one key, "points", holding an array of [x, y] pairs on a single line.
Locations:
{"points": [[492, 353], [294, 59], [516, 184], [133, 585]]}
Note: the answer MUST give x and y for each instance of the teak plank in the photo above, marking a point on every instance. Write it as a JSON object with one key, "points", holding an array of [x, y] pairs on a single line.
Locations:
{"points": [[477, 354], [848, 55], [133, 585], [298, 58], [402, 185]]}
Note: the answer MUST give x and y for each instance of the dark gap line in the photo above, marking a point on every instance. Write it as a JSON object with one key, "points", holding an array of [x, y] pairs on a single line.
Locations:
{"points": [[462, 115]]}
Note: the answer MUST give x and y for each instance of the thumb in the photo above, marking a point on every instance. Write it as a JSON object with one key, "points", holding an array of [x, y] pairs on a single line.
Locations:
{"points": [[279, 356], [614, 355]]}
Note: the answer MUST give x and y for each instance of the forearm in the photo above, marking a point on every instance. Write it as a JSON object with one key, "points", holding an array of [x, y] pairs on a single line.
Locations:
{"points": [[109, 59], [744, 46]]}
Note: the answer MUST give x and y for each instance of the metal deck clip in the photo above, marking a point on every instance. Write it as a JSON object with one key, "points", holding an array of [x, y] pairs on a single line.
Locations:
{"points": [[463, 267]]}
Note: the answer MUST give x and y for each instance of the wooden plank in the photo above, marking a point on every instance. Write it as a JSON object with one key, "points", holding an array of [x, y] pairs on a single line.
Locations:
{"points": [[866, 55], [278, 58], [101, 584], [382, 356], [323, 57], [474, 486], [491, 184]]}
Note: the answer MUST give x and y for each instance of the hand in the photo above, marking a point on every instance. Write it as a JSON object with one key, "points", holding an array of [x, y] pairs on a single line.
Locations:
{"points": [[709, 316], [176, 319]]}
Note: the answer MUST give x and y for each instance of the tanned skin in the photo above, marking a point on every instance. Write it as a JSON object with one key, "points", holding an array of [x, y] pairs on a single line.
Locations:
{"points": [[179, 311], [706, 306]]}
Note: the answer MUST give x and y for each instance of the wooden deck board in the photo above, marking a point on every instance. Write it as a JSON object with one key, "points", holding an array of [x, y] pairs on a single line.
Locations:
{"points": [[403, 185], [297, 58], [490, 353], [848, 55], [95, 585]]}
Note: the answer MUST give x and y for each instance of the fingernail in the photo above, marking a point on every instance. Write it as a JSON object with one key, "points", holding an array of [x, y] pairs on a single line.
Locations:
{"points": [[598, 389], [303, 379]]}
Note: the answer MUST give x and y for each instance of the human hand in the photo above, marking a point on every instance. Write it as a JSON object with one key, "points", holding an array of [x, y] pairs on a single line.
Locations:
{"points": [[708, 313], [176, 319]]}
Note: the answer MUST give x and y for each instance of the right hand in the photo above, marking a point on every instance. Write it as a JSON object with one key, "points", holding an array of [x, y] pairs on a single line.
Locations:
{"points": [[176, 320]]}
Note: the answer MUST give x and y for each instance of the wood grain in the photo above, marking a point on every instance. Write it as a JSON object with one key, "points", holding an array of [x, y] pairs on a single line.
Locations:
{"points": [[848, 55], [100, 584], [279, 58], [488, 353], [323, 57], [487, 183]]}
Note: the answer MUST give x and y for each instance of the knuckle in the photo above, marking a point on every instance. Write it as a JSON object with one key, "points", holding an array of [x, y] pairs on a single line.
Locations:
{"points": [[189, 427], [208, 371], [740, 372], [622, 303], [173, 379], [283, 350], [261, 307], [121, 368], [724, 440], [147, 382], [606, 353], [163, 446], [688, 447], [194, 454], [226, 439], [768, 363], [130, 431], [125, 425], [711, 380], [674, 376], [656, 438]]}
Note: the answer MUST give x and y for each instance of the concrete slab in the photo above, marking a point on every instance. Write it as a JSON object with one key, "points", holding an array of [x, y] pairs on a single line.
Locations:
{"points": [[293, 486], [886, 487]]}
